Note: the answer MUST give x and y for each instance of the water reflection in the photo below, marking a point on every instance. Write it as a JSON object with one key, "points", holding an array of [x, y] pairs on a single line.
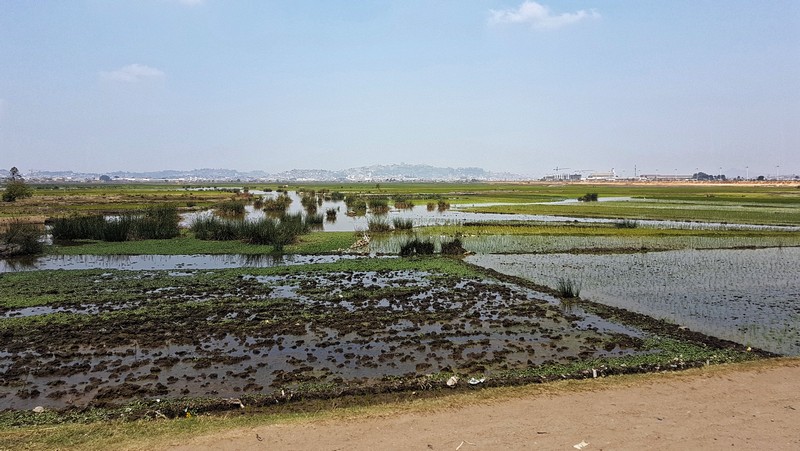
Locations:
{"points": [[153, 262], [431, 213]]}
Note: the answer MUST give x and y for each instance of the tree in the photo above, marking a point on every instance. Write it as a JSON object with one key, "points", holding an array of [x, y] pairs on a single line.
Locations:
{"points": [[16, 188]]}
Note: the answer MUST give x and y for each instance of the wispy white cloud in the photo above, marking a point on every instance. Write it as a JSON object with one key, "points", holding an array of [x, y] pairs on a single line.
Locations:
{"points": [[539, 16], [133, 73]]}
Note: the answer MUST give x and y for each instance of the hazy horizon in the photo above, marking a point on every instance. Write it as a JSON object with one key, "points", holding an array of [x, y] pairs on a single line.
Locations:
{"points": [[507, 86]]}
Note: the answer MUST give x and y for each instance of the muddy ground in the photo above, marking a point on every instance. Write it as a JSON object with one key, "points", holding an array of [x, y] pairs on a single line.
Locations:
{"points": [[72, 339]]}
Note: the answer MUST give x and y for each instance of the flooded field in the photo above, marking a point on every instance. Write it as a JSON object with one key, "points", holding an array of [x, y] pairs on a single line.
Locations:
{"points": [[750, 296], [148, 262], [422, 216], [99, 337], [526, 244]]}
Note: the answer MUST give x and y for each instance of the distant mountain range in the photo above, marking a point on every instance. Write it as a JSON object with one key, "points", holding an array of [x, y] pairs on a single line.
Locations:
{"points": [[376, 173]]}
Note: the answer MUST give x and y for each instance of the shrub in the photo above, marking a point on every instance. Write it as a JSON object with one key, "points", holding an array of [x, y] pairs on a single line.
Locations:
{"points": [[16, 189], [588, 197]]}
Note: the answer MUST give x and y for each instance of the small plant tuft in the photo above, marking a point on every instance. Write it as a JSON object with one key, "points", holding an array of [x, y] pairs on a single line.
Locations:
{"points": [[568, 288]]}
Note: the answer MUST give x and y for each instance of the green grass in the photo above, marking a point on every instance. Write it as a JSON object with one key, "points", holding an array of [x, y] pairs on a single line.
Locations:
{"points": [[594, 229], [777, 214], [313, 243]]}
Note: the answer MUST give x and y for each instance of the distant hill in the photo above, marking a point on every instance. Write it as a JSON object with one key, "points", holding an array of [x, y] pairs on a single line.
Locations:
{"points": [[392, 172]]}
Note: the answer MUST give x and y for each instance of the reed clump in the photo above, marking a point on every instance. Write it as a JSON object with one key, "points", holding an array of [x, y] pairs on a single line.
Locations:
{"points": [[277, 232], [330, 214], [378, 206], [403, 203], [154, 223], [416, 247], [402, 224], [277, 204], [21, 238], [232, 207], [568, 288], [378, 225], [453, 247], [626, 224]]}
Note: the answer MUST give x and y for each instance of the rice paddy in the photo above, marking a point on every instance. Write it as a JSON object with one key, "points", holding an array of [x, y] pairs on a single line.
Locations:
{"points": [[371, 292]]}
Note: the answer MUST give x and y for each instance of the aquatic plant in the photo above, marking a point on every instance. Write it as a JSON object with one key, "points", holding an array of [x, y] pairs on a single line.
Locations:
{"points": [[568, 288], [314, 220], [626, 224], [403, 224], [416, 247], [378, 225], [230, 208], [403, 203], [117, 229], [78, 227], [378, 206], [156, 222], [453, 247], [20, 238], [277, 204], [356, 206], [330, 214], [213, 228]]}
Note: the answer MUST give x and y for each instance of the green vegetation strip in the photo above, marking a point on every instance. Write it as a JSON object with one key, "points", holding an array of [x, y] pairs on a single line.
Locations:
{"points": [[313, 243]]}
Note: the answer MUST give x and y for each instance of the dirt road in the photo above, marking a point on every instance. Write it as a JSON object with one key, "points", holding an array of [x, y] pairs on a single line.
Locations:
{"points": [[751, 407]]}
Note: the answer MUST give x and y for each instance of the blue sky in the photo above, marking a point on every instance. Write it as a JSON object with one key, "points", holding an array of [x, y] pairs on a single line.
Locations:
{"points": [[521, 86]]}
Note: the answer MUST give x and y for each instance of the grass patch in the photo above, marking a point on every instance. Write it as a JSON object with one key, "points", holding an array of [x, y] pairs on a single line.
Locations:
{"points": [[313, 243], [568, 288]]}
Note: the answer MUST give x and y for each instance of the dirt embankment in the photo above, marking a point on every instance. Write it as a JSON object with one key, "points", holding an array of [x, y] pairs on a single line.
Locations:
{"points": [[749, 406]]}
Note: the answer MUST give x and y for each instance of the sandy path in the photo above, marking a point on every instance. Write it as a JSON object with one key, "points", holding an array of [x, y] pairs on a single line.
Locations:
{"points": [[752, 408]]}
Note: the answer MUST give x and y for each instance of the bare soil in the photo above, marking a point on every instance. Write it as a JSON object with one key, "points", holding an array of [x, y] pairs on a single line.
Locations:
{"points": [[747, 406]]}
